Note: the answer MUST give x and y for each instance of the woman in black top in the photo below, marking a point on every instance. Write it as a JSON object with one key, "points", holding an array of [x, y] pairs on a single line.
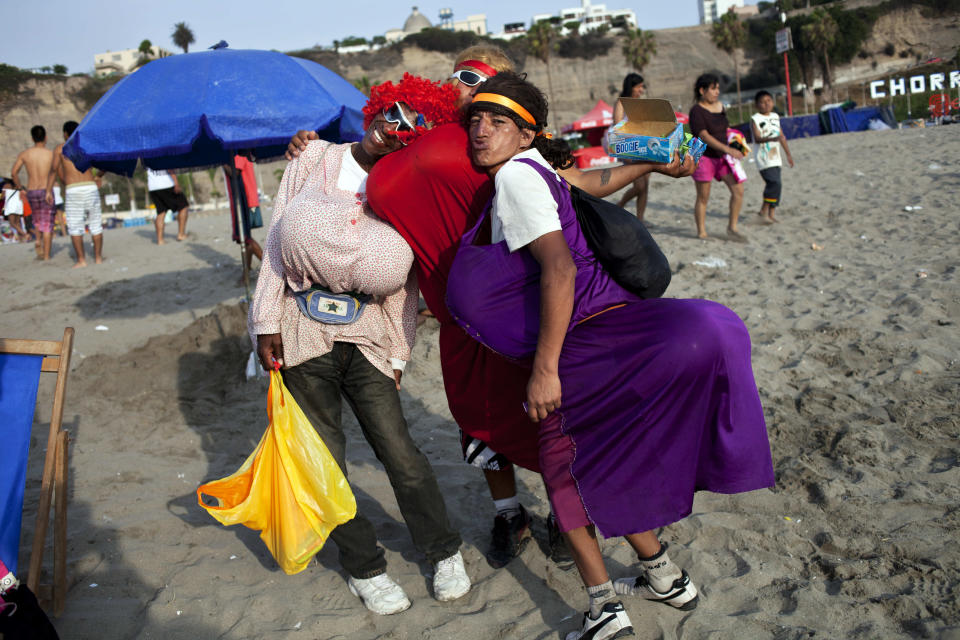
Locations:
{"points": [[708, 121]]}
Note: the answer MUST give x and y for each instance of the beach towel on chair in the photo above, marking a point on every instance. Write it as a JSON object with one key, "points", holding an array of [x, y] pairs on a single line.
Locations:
{"points": [[19, 380], [290, 488]]}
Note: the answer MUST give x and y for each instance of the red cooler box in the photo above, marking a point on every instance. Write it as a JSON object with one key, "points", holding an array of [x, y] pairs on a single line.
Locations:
{"points": [[592, 157]]}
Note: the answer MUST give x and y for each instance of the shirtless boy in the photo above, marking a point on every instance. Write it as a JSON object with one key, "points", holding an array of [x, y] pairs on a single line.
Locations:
{"points": [[81, 200], [38, 161]]}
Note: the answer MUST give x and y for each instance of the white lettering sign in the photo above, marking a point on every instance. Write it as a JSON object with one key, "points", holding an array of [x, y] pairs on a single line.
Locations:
{"points": [[913, 84]]}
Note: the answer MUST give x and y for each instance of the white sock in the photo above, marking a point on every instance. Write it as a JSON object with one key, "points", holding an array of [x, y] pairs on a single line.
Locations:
{"points": [[508, 507], [660, 570], [599, 596]]}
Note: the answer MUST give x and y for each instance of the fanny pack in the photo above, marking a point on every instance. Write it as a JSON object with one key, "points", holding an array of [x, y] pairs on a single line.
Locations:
{"points": [[321, 305]]}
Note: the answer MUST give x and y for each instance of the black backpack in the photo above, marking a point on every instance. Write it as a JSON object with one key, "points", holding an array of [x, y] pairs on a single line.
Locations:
{"points": [[622, 245]]}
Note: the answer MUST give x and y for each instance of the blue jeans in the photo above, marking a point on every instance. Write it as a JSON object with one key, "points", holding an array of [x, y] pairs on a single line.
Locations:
{"points": [[317, 386]]}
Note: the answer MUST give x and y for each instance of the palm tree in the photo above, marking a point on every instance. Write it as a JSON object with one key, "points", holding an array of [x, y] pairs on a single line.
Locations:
{"points": [[146, 51], [729, 35], [640, 46], [182, 36], [821, 32], [541, 42]]}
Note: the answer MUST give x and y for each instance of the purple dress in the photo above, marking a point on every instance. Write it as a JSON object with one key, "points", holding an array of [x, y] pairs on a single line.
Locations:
{"points": [[659, 399]]}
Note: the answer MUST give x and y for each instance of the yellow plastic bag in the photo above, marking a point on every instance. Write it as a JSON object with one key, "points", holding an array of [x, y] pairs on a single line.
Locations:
{"points": [[290, 488]]}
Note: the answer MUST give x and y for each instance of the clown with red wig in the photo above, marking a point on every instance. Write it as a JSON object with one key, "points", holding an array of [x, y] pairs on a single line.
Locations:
{"points": [[323, 235]]}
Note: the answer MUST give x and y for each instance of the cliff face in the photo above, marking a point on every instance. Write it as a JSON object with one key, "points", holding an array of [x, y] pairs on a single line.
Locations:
{"points": [[49, 102], [682, 55]]}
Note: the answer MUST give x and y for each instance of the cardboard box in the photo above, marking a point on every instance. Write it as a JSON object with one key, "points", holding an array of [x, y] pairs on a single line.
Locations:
{"points": [[649, 132]]}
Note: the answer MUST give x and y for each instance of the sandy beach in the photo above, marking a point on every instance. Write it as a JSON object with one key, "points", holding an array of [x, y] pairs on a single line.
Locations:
{"points": [[852, 302]]}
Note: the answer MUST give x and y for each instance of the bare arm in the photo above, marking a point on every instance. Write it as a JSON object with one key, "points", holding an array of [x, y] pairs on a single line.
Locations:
{"points": [[15, 171], [603, 182], [786, 149], [557, 276], [176, 183], [713, 143], [617, 112], [56, 171]]}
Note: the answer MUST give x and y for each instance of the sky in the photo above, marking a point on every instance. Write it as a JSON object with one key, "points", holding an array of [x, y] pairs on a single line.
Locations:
{"points": [[70, 33]]}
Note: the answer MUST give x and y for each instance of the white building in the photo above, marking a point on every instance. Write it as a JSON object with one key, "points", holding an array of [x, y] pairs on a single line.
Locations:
{"points": [[711, 10], [123, 62], [594, 16], [587, 16]]}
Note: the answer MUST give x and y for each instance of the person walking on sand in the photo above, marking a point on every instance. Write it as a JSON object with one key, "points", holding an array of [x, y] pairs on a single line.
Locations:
{"points": [[633, 87], [708, 121], [166, 195], [765, 125], [81, 201], [38, 161]]}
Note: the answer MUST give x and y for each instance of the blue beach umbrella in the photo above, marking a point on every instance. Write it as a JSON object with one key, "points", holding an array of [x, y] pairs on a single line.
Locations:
{"points": [[199, 109]]}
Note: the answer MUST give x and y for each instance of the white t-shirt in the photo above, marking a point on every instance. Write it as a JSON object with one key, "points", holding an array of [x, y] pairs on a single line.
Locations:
{"points": [[352, 177], [157, 180], [12, 205], [768, 153], [523, 207]]}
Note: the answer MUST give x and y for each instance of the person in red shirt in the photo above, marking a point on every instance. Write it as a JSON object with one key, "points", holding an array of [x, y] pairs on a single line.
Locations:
{"points": [[432, 194], [250, 209]]}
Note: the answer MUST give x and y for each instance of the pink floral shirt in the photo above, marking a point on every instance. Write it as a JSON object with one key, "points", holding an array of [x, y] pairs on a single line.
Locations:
{"points": [[321, 234]]}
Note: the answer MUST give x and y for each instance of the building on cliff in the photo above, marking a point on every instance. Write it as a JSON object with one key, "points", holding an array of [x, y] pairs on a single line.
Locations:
{"points": [[124, 62], [587, 18], [711, 10]]}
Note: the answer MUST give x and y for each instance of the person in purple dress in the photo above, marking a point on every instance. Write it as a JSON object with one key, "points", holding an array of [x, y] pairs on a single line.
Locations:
{"points": [[640, 403]]}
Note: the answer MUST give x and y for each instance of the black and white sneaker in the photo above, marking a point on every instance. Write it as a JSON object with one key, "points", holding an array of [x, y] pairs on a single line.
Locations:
{"points": [[682, 594], [557, 546], [611, 623], [509, 537]]}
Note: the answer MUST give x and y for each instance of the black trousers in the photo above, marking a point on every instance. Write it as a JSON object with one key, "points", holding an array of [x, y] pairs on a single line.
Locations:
{"points": [[772, 186], [317, 386]]}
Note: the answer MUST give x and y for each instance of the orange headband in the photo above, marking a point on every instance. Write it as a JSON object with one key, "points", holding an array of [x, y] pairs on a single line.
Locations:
{"points": [[504, 101]]}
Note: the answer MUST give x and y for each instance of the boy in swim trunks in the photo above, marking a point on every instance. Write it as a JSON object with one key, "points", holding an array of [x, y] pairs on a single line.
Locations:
{"points": [[38, 161]]}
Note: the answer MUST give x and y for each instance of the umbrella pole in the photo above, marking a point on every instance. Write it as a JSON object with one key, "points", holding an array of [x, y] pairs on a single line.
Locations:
{"points": [[238, 200]]}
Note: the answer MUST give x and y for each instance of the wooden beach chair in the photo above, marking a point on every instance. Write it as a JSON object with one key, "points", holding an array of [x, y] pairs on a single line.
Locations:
{"points": [[54, 357]]}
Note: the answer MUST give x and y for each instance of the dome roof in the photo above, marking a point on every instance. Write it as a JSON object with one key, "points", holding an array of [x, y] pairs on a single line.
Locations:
{"points": [[416, 22]]}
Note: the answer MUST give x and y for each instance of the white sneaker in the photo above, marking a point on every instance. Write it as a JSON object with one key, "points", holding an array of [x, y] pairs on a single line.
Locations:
{"points": [[681, 593], [611, 623], [450, 580], [380, 594]]}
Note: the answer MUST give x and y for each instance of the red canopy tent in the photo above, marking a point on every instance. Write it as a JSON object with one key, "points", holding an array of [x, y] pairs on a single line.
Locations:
{"points": [[593, 123]]}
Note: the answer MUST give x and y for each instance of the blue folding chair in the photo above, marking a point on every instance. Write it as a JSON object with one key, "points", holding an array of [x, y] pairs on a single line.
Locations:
{"points": [[21, 363]]}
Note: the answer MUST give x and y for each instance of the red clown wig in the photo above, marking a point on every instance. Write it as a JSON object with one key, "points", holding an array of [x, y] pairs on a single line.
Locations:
{"points": [[436, 102]]}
